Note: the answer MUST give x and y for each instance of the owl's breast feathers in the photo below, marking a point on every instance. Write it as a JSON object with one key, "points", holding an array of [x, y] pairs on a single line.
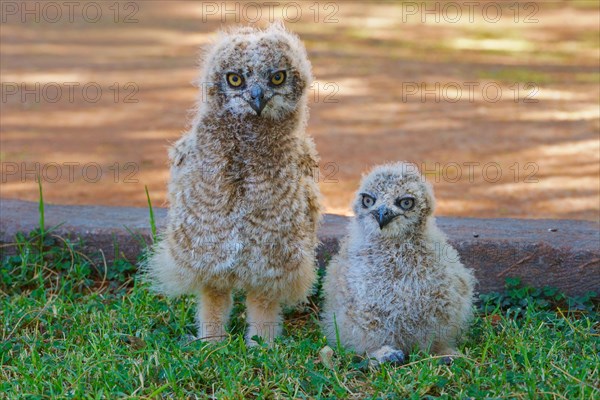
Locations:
{"points": [[264, 187], [407, 266]]}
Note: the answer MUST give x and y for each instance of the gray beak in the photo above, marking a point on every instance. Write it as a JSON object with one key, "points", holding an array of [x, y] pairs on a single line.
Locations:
{"points": [[383, 216], [257, 99]]}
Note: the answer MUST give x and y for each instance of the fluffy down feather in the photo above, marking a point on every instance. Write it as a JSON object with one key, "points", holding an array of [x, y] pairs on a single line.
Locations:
{"points": [[244, 204], [399, 286]]}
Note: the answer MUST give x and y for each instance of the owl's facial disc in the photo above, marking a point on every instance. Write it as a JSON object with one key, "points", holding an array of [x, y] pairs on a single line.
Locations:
{"points": [[380, 206], [382, 213], [257, 88], [393, 201]]}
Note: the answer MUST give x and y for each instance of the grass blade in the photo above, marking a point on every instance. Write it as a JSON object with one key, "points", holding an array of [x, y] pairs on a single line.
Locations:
{"points": [[42, 218], [152, 220]]}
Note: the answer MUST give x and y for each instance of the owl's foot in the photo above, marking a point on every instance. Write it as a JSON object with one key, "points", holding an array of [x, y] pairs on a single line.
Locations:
{"points": [[388, 354], [212, 333], [448, 355], [447, 360], [264, 319]]}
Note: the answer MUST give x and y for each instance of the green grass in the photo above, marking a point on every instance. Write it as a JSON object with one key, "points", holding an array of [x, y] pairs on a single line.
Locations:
{"points": [[151, 212], [72, 329]]}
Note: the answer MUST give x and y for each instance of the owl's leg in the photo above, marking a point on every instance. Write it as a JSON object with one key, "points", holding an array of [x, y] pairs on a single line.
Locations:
{"points": [[214, 307], [263, 317]]}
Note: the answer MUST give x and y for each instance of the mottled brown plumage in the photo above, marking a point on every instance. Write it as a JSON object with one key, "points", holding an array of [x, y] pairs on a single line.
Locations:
{"points": [[396, 283], [244, 205]]}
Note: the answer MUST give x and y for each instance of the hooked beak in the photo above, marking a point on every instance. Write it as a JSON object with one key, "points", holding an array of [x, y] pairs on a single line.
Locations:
{"points": [[257, 99], [383, 216]]}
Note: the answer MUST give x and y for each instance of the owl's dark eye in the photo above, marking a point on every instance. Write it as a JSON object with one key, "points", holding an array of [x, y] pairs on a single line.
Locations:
{"points": [[405, 203], [234, 80], [278, 78], [367, 200]]}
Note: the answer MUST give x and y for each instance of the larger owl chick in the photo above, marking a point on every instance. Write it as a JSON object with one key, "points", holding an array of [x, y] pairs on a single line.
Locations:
{"points": [[396, 284], [244, 204]]}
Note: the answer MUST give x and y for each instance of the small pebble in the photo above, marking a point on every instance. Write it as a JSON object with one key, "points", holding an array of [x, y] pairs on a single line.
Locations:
{"points": [[552, 230], [326, 357], [476, 235]]}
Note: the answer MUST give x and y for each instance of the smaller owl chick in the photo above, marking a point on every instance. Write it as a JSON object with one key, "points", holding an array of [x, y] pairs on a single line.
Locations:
{"points": [[396, 283]]}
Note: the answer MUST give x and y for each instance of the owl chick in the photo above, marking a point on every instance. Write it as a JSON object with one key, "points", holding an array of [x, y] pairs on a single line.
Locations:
{"points": [[244, 205], [396, 283]]}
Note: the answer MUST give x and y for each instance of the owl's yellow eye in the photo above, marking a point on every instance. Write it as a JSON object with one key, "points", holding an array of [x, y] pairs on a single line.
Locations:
{"points": [[234, 80], [278, 78]]}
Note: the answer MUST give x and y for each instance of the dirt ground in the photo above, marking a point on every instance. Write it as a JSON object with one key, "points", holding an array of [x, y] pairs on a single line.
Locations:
{"points": [[511, 129]]}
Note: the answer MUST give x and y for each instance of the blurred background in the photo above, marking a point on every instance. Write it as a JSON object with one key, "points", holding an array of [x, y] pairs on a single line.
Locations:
{"points": [[496, 102]]}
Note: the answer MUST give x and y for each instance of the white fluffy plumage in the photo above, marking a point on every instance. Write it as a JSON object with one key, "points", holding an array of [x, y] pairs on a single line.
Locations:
{"points": [[396, 283]]}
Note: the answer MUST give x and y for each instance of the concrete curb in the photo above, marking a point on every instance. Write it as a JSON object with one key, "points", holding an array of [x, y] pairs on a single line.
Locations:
{"points": [[560, 253]]}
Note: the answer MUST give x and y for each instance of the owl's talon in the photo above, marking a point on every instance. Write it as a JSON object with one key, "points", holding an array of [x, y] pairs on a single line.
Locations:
{"points": [[448, 360], [396, 358], [389, 355]]}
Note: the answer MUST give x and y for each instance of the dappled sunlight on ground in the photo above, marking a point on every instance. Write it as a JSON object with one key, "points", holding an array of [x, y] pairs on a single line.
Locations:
{"points": [[503, 118]]}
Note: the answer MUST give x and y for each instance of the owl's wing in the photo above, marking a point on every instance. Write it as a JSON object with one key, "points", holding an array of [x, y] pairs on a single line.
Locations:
{"points": [[309, 161], [180, 150], [309, 164], [183, 161]]}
